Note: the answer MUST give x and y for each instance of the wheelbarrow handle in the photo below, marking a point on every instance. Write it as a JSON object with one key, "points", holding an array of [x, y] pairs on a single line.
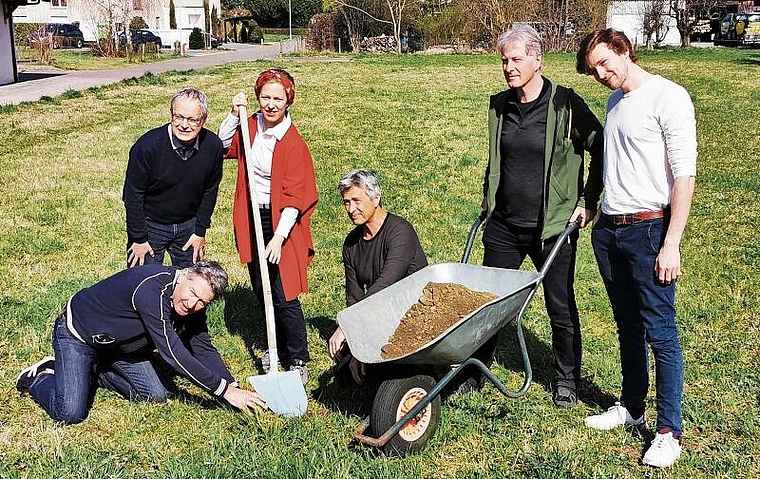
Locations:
{"points": [[473, 232], [570, 229]]}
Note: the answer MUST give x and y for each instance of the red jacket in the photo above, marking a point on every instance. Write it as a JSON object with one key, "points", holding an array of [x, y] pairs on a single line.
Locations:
{"points": [[293, 184]]}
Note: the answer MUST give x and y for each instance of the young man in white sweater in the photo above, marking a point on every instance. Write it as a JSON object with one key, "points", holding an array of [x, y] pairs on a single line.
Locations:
{"points": [[650, 152]]}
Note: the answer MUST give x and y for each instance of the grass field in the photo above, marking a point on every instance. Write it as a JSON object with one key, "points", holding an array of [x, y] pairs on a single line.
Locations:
{"points": [[421, 123], [70, 59]]}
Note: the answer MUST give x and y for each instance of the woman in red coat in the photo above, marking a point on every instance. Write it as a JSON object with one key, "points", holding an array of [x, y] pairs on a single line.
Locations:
{"points": [[287, 190]]}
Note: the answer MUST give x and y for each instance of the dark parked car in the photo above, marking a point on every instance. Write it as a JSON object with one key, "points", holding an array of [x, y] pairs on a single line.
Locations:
{"points": [[140, 37], [739, 29], [62, 35]]}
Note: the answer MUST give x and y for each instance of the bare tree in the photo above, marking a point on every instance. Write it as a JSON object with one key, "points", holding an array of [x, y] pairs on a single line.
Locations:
{"points": [[688, 13], [585, 16], [394, 9], [488, 18], [654, 22], [357, 22], [560, 22]]}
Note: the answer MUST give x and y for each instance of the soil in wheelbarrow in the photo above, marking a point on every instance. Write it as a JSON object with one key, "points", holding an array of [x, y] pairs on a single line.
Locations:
{"points": [[440, 306]]}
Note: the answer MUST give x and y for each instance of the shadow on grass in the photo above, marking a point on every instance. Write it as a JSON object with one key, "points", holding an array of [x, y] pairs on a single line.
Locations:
{"points": [[749, 61], [542, 363], [343, 397], [244, 317]]}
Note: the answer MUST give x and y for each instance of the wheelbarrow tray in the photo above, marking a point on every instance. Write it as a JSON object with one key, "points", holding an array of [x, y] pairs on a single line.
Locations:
{"points": [[369, 324]]}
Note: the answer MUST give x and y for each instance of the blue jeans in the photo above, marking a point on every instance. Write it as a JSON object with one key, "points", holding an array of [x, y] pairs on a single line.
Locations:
{"points": [[67, 395], [644, 311], [171, 237]]}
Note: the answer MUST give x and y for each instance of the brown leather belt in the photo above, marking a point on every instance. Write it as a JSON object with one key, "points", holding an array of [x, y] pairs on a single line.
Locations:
{"points": [[633, 218]]}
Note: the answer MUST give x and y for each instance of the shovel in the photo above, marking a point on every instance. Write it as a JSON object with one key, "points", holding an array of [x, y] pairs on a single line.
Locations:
{"points": [[283, 391]]}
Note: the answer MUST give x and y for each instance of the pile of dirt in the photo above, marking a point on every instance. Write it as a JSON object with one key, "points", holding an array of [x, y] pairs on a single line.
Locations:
{"points": [[440, 306]]}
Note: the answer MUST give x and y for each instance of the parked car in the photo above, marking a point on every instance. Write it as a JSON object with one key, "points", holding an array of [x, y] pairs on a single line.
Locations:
{"points": [[140, 37], [739, 29], [61, 34]]}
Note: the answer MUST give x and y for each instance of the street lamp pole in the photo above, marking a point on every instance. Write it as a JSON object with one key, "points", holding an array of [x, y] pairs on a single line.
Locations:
{"points": [[290, 18]]}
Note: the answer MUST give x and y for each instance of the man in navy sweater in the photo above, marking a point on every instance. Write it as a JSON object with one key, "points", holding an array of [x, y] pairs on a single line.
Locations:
{"points": [[110, 332], [171, 185]]}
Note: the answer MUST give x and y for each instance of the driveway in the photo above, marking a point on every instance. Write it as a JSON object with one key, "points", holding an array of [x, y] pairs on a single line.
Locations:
{"points": [[54, 84]]}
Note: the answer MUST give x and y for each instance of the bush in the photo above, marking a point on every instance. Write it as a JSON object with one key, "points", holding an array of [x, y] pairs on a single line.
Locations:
{"points": [[137, 23], [41, 41], [322, 32], [196, 39], [249, 31], [105, 47], [442, 28], [21, 32]]}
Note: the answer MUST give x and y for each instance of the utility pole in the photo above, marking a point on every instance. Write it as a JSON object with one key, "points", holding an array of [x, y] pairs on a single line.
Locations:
{"points": [[290, 18]]}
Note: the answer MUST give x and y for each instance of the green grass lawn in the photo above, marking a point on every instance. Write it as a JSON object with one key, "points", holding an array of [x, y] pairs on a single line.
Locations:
{"points": [[279, 37], [69, 59], [420, 121]]}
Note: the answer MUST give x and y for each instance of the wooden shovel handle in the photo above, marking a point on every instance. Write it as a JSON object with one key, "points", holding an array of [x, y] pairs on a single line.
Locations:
{"points": [[259, 236]]}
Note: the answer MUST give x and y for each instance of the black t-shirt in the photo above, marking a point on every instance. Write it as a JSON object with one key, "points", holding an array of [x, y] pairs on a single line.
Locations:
{"points": [[372, 265], [523, 139]]}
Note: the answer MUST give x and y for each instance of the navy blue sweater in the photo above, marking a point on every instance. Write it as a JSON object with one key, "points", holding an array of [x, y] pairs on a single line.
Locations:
{"points": [[162, 187], [134, 307]]}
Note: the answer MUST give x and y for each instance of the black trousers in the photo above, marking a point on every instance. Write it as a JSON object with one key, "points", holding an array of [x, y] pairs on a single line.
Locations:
{"points": [[289, 320], [505, 246]]}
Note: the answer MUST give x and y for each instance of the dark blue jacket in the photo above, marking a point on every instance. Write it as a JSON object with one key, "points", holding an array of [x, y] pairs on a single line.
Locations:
{"points": [[134, 307]]}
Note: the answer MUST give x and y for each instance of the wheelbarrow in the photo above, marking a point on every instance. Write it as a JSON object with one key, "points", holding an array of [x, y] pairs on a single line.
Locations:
{"points": [[407, 407]]}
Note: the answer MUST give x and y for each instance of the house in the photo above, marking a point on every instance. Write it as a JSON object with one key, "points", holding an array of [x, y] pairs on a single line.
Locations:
{"points": [[628, 17], [8, 72], [93, 19]]}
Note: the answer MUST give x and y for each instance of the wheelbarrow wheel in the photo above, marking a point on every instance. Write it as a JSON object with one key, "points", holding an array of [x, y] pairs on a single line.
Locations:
{"points": [[394, 399]]}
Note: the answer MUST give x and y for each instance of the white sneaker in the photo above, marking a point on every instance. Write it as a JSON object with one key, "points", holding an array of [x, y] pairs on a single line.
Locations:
{"points": [[615, 416], [664, 451]]}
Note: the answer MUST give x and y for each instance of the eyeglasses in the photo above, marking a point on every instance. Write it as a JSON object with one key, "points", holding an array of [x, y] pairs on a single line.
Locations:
{"points": [[179, 119]]}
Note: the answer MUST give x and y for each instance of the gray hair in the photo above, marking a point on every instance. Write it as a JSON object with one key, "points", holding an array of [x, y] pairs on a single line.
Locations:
{"points": [[192, 94], [364, 179], [525, 34], [212, 272]]}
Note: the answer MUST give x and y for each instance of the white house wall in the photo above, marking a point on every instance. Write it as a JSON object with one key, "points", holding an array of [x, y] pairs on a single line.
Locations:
{"points": [[627, 16], [7, 67]]}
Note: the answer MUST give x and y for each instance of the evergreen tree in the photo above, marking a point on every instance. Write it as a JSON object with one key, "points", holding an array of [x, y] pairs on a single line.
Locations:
{"points": [[196, 39], [215, 21], [206, 24], [172, 16]]}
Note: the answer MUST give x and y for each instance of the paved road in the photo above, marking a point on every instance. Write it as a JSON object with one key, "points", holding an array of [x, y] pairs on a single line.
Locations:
{"points": [[33, 90]]}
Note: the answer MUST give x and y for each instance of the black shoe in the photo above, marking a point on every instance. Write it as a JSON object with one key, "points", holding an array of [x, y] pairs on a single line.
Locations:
{"points": [[470, 384], [26, 377], [564, 397]]}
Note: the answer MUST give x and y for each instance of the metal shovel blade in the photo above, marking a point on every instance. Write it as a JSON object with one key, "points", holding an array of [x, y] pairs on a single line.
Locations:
{"points": [[284, 392]]}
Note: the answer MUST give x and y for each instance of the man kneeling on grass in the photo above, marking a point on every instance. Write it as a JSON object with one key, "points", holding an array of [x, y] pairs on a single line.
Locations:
{"points": [[110, 332]]}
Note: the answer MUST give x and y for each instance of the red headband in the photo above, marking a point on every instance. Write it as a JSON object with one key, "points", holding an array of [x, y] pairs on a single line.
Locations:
{"points": [[277, 76]]}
